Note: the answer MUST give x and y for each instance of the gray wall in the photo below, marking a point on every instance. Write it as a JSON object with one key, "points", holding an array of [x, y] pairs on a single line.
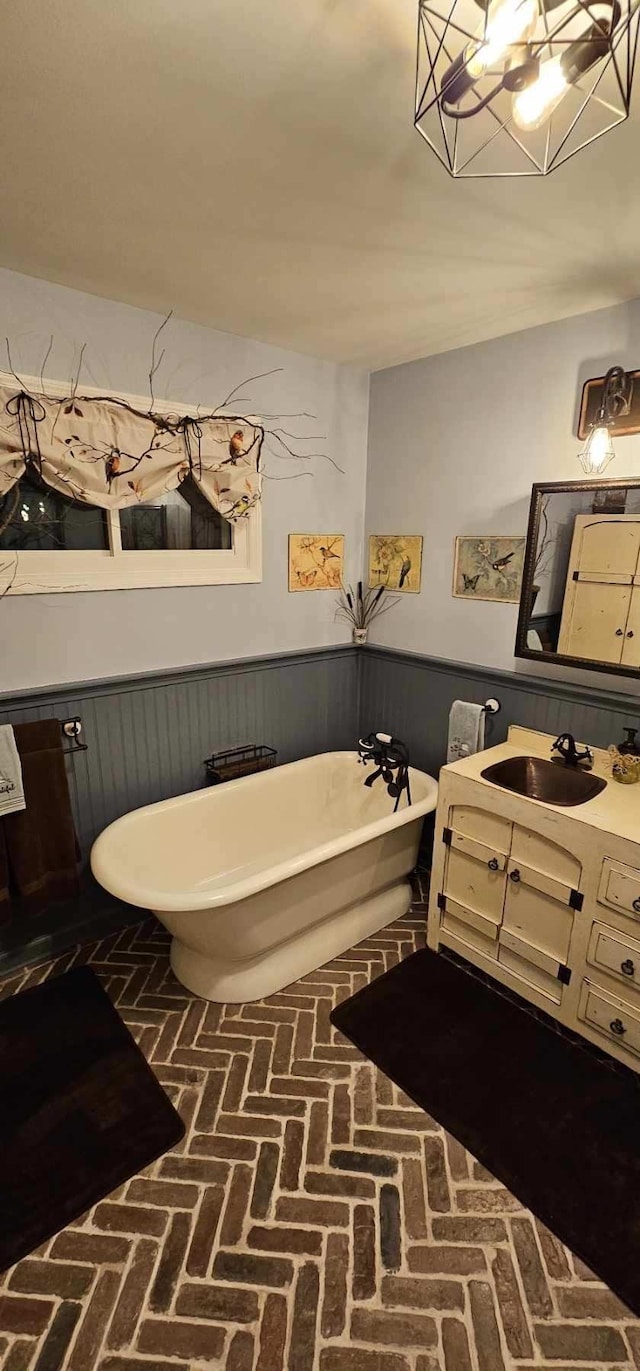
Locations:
{"points": [[147, 739], [410, 696], [456, 442], [48, 639]]}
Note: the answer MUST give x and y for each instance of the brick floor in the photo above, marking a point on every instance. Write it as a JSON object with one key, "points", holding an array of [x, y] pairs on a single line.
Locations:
{"points": [[313, 1219]]}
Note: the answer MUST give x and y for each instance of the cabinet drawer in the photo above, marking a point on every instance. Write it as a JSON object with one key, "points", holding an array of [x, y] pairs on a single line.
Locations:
{"points": [[620, 887], [615, 953], [615, 1019]]}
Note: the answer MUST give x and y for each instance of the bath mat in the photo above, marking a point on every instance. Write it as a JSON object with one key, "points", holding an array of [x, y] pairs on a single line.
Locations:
{"points": [[80, 1109], [551, 1117]]}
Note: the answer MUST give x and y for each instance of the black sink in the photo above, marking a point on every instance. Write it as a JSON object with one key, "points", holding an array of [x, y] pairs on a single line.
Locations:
{"points": [[553, 783]]}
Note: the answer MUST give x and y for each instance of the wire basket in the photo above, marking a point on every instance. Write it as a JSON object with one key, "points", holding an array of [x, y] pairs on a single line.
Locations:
{"points": [[239, 761]]}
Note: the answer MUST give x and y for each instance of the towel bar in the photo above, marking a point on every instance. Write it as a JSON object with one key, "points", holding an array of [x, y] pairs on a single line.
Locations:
{"points": [[72, 728]]}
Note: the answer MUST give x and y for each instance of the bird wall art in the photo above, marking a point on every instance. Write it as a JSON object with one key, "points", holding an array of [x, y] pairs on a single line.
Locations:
{"points": [[395, 561], [316, 561], [488, 568]]}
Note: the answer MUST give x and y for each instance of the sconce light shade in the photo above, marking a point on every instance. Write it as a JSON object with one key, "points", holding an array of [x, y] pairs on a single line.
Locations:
{"points": [[598, 451], [516, 87]]}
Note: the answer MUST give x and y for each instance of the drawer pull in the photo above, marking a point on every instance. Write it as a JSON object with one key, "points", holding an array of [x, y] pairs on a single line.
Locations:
{"points": [[493, 864], [619, 632], [630, 633], [514, 876], [627, 967], [617, 1027], [636, 905]]}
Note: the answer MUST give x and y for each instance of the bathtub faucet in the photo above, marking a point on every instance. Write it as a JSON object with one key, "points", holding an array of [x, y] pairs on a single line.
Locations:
{"points": [[391, 758]]}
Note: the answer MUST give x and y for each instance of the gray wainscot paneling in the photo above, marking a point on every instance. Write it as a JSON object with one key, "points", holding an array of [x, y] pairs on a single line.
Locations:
{"points": [[147, 738], [410, 696]]}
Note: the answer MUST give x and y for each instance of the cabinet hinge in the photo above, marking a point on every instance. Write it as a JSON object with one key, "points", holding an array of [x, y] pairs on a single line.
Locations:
{"points": [[447, 835], [576, 900], [442, 901], [576, 576], [564, 974]]}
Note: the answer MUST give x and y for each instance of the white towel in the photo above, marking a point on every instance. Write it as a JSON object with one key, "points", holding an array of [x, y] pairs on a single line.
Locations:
{"points": [[466, 730], [11, 787]]}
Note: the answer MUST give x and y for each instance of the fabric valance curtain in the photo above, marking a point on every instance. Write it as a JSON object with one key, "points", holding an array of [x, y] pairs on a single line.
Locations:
{"points": [[102, 451]]}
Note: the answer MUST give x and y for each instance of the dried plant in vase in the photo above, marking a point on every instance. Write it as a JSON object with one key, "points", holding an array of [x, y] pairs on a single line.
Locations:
{"points": [[360, 609]]}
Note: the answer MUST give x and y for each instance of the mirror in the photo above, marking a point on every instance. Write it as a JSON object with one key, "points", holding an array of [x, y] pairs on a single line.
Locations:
{"points": [[580, 600]]}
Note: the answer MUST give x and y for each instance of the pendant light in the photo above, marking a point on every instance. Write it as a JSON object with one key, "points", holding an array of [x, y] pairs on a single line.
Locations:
{"points": [[598, 450], [516, 87]]}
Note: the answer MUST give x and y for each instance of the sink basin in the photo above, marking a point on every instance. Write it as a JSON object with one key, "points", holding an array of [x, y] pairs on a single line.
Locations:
{"points": [[551, 782]]}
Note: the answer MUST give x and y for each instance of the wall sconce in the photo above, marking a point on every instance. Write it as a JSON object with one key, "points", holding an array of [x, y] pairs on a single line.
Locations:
{"points": [[617, 393]]}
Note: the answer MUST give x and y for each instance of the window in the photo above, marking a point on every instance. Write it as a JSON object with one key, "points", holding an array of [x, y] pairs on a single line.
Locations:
{"points": [[54, 543]]}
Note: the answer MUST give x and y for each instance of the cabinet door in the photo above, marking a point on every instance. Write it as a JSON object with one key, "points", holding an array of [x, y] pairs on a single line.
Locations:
{"points": [[540, 904], [631, 640], [475, 875], [602, 566], [608, 544], [598, 621]]}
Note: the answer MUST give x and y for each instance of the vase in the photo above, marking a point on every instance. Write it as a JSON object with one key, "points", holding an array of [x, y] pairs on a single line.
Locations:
{"points": [[359, 636]]}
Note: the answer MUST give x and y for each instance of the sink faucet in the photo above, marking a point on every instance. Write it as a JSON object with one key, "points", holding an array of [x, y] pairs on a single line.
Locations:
{"points": [[566, 748]]}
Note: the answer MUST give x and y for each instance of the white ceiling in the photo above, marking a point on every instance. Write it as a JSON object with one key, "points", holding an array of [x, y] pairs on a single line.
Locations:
{"points": [[252, 164]]}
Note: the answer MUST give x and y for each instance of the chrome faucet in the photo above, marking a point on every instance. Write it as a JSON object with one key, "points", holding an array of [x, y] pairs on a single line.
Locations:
{"points": [[570, 754]]}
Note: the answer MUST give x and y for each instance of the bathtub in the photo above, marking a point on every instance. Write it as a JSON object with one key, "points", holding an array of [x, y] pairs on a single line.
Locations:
{"points": [[263, 879]]}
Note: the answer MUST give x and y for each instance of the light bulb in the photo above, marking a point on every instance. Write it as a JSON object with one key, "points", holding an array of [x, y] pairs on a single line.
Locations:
{"points": [[508, 22], [535, 104], [598, 450]]}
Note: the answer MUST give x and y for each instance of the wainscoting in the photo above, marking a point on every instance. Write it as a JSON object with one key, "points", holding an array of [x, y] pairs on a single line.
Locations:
{"points": [[411, 695], [147, 738]]}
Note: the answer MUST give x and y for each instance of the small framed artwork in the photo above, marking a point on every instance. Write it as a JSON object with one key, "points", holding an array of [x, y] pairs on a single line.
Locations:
{"points": [[488, 568], [395, 561], [316, 561]]}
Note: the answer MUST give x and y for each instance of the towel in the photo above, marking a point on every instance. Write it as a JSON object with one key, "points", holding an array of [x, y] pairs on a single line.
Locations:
{"points": [[11, 787], [38, 848], [466, 730]]}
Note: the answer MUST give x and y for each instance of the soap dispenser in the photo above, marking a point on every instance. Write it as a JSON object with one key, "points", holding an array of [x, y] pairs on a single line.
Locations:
{"points": [[629, 748]]}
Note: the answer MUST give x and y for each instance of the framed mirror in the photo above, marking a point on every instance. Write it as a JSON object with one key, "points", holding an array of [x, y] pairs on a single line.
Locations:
{"points": [[580, 600]]}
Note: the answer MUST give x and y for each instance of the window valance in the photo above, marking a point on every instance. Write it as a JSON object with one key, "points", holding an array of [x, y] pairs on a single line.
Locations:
{"points": [[103, 451]]}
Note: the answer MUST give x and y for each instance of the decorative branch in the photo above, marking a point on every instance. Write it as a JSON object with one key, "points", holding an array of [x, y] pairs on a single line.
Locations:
{"points": [[233, 393], [76, 379], [156, 363], [360, 609]]}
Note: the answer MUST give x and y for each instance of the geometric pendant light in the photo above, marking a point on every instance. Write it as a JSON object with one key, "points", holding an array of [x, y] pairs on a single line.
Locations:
{"points": [[516, 87]]}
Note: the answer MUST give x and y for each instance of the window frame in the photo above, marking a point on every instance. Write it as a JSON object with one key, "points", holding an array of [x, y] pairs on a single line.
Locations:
{"points": [[73, 570]]}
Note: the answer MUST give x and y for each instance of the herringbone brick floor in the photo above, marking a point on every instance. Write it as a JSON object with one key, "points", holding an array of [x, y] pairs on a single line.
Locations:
{"points": [[313, 1219]]}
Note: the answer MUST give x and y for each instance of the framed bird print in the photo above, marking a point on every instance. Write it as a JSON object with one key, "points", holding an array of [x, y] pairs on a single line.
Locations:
{"points": [[316, 561], [395, 561], [488, 568]]}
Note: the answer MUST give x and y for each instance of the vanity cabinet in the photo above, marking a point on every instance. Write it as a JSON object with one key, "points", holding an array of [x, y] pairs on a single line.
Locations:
{"points": [[601, 607], [510, 893], [542, 900]]}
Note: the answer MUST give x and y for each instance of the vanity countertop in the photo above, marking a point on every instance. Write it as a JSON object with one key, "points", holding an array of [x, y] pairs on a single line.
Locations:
{"points": [[615, 810]]}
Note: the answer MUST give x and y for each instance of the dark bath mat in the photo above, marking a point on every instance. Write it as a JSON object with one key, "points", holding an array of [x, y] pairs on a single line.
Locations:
{"points": [[80, 1112], [555, 1122]]}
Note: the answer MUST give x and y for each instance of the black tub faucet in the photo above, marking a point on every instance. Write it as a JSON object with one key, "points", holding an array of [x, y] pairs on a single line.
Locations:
{"points": [[570, 754]]}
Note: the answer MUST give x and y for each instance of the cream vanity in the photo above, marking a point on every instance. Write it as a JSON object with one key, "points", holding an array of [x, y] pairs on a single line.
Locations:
{"points": [[544, 898]]}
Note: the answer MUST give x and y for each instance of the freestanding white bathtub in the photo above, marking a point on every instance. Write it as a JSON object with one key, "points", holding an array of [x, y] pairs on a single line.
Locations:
{"points": [[263, 879]]}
